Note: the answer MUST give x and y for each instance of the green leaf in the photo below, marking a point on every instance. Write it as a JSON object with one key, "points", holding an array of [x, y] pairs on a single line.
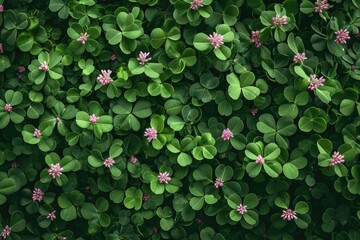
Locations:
{"points": [[250, 92], [201, 42], [323, 95], [4, 63], [25, 42], [157, 187], [184, 159], [234, 89], [68, 214], [7, 186], [300, 72], [307, 7], [251, 200], [83, 119], [251, 217], [166, 223], [290, 171], [158, 37], [223, 52], [301, 207]]}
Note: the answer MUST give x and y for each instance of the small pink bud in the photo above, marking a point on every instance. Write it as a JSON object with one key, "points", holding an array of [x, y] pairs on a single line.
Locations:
{"points": [[321, 5], [146, 197], [5, 232], [196, 4], [279, 21], [15, 165], [218, 183], [260, 160], [44, 66], [315, 82], [51, 215], [300, 57], [253, 111], [83, 38], [255, 38], [37, 133], [21, 69], [8, 107], [143, 58], [133, 159], [93, 119]]}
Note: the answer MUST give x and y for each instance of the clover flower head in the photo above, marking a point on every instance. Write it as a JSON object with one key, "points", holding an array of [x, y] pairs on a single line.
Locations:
{"points": [[5, 232], [109, 162], [21, 69], [37, 195], [279, 21], [241, 209], [259, 160], [133, 159], [146, 197], [341, 36], [150, 133], [143, 58], [83, 38], [55, 170], [93, 119], [288, 215], [8, 107], [216, 40], [218, 183], [44, 66], [300, 57], [164, 177], [253, 111], [255, 38], [51, 215], [15, 165], [104, 78], [336, 158], [227, 134], [196, 4], [321, 5], [315, 82], [36, 133]]}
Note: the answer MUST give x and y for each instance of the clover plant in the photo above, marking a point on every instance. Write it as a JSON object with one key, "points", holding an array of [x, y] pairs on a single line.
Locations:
{"points": [[180, 119]]}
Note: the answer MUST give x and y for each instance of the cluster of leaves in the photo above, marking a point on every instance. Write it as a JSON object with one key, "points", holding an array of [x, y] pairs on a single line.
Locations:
{"points": [[283, 135]]}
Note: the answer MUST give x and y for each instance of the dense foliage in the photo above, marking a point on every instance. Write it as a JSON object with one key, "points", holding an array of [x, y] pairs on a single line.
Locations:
{"points": [[180, 119]]}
